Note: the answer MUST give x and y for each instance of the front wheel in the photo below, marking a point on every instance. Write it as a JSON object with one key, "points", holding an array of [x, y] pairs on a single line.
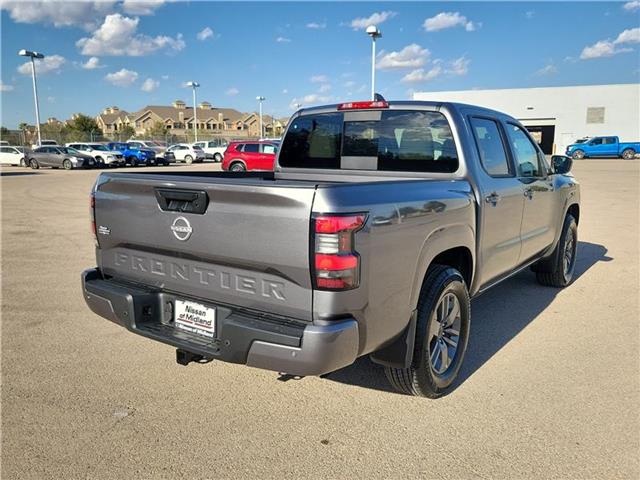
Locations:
{"points": [[237, 167], [33, 163], [133, 161], [578, 155], [442, 334], [628, 154], [188, 159], [67, 165], [23, 162], [560, 270], [217, 157]]}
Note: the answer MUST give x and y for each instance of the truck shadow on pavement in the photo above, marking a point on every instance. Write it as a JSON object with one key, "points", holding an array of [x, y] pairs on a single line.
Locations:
{"points": [[498, 316]]}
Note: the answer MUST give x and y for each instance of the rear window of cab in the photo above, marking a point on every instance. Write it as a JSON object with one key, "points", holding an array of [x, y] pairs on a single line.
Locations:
{"points": [[391, 140]]}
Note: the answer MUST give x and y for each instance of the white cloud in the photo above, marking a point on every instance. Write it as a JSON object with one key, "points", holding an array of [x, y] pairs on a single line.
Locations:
{"points": [[311, 99], [204, 34], [632, 6], [285, 91], [631, 35], [50, 63], [316, 25], [59, 14], [349, 84], [377, 18], [118, 36], [141, 7], [324, 88], [608, 48], [232, 91], [445, 20], [122, 78], [5, 88], [165, 77], [149, 84], [411, 56], [530, 14], [283, 40], [549, 69], [319, 79], [92, 64], [459, 66], [421, 75]]}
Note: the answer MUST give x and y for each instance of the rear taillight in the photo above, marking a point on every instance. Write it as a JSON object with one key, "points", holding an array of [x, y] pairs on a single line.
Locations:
{"points": [[363, 105], [92, 212], [336, 264]]}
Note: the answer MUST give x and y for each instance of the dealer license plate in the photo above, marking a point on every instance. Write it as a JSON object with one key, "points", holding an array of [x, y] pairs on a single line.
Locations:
{"points": [[195, 318]]}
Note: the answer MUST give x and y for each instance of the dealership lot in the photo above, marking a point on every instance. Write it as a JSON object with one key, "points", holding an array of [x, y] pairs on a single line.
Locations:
{"points": [[550, 387]]}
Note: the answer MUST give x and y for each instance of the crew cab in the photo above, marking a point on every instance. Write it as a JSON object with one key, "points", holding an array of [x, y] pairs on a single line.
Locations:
{"points": [[133, 155], [379, 223], [214, 148], [250, 155], [603, 147], [101, 154]]}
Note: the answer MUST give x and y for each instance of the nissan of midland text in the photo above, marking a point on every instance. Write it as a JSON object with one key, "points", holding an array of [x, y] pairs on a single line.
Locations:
{"points": [[379, 224]]}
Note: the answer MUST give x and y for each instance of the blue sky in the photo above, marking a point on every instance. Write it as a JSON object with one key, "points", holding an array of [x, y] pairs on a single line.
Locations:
{"points": [[304, 52]]}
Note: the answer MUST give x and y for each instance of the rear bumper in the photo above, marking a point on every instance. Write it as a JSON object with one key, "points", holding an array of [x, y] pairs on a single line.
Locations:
{"points": [[243, 337]]}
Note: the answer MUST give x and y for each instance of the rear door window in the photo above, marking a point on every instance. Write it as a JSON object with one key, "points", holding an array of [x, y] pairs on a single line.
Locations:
{"points": [[490, 147], [268, 148], [251, 148], [528, 162], [409, 141]]}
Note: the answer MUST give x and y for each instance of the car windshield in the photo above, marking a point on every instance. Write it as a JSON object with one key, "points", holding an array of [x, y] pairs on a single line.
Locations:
{"points": [[69, 150], [197, 147], [581, 140], [157, 144], [97, 146]]}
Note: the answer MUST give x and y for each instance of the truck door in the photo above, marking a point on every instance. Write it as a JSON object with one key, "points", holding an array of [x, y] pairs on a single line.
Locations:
{"points": [[596, 147], [610, 146], [538, 219], [267, 156], [502, 201]]}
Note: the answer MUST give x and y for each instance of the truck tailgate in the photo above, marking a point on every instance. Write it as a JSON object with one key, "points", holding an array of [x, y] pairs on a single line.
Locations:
{"points": [[250, 248]]}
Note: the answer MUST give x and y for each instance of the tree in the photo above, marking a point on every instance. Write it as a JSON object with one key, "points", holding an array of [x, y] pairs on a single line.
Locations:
{"points": [[157, 130], [84, 124], [127, 132]]}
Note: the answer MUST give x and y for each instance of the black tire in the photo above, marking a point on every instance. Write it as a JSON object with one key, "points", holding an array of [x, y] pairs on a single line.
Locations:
{"points": [[188, 159], [67, 165], [578, 154], [33, 163], [559, 272], [23, 162], [628, 154], [217, 158], [422, 378], [133, 161], [237, 167]]}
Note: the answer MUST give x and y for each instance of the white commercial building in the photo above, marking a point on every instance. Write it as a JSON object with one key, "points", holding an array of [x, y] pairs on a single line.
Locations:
{"points": [[557, 116]]}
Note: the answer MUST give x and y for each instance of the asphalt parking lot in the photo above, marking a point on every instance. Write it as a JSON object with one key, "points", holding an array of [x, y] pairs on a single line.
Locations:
{"points": [[550, 387]]}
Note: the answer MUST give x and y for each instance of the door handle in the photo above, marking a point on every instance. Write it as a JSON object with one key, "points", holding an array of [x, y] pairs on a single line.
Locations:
{"points": [[493, 199], [528, 193]]}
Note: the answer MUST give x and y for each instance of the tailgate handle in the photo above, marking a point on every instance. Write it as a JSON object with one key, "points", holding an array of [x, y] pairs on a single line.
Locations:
{"points": [[185, 201]]}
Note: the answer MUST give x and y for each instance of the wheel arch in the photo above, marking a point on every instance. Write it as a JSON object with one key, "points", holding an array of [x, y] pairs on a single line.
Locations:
{"points": [[574, 209], [237, 160]]}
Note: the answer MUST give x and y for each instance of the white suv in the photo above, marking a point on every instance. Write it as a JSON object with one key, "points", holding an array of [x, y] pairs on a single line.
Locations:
{"points": [[187, 153], [101, 154], [213, 148]]}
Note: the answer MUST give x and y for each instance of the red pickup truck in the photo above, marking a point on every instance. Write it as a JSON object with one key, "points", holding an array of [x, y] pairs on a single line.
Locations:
{"points": [[250, 155]]}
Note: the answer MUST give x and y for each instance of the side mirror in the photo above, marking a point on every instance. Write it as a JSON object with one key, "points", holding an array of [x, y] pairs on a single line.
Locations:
{"points": [[561, 164]]}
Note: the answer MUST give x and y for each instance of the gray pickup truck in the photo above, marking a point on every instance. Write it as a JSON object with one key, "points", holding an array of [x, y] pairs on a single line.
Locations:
{"points": [[379, 223]]}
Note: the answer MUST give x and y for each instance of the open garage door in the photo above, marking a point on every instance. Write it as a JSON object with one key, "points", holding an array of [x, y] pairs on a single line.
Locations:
{"points": [[544, 135]]}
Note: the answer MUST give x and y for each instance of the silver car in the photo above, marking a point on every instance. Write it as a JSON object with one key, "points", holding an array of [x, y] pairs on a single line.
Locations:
{"points": [[59, 157]]}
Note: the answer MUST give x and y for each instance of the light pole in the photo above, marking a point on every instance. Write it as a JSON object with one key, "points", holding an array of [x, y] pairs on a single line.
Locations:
{"points": [[260, 100], [194, 85], [34, 55], [374, 33]]}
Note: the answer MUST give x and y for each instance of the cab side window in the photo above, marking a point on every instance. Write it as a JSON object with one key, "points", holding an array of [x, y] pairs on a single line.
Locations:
{"points": [[525, 153], [490, 147]]}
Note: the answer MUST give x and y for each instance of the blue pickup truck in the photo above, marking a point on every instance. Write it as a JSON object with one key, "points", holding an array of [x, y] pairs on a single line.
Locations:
{"points": [[603, 147], [134, 156]]}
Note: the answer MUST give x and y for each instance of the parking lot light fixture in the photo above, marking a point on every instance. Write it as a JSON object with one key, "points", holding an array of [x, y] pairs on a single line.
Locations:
{"points": [[194, 85], [260, 100], [375, 33], [33, 56]]}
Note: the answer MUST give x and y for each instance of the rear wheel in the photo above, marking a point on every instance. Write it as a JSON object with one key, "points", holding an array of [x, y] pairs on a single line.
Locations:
{"points": [[442, 334], [559, 272], [237, 167], [67, 165], [133, 161], [33, 163], [217, 157], [628, 154], [188, 159], [578, 155], [23, 162]]}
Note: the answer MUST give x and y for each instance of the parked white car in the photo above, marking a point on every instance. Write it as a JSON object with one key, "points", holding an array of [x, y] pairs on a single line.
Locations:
{"points": [[12, 156], [101, 154], [213, 148], [45, 143], [187, 153]]}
